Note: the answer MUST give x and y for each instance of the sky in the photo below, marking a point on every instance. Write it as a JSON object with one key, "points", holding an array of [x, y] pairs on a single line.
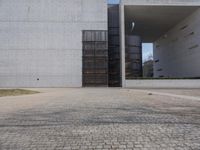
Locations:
{"points": [[147, 48], [113, 1]]}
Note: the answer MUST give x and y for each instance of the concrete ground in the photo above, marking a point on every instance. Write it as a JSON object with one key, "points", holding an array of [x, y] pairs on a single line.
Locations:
{"points": [[101, 118]]}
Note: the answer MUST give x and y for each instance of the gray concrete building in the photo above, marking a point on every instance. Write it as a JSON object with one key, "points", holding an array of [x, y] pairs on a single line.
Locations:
{"points": [[64, 43], [41, 40]]}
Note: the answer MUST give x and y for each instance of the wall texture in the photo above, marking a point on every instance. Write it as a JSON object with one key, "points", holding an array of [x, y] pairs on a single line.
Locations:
{"points": [[160, 2], [41, 40], [163, 84], [177, 53]]}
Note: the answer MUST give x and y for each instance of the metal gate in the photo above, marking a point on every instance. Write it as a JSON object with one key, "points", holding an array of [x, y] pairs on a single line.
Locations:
{"points": [[114, 46], [95, 58]]}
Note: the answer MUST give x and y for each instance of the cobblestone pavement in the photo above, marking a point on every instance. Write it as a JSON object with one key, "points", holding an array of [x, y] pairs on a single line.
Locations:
{"points": [[100, 118]]}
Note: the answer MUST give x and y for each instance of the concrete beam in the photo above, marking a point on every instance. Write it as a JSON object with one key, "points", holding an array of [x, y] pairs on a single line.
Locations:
{"points": [[162, 2], [163, 84]]}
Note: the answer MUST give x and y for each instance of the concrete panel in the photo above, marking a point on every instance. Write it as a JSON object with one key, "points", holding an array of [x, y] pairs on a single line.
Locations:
{"points": [[54, 10], [42, 64], [163, 84], [42, 39], [178, 51], [40, 35], [41, 10], [97, 7], [161, 2]]}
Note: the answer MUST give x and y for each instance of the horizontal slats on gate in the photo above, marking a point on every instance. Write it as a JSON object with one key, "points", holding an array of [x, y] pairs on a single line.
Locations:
{"points": [[95, 58], [114, 46]]}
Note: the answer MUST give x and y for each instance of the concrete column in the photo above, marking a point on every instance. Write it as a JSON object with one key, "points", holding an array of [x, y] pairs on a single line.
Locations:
{"points": [[122, 44]]}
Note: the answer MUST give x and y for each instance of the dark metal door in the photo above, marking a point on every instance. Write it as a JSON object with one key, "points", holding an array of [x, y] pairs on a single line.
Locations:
{"points": [[114, 46], [95, 58]]}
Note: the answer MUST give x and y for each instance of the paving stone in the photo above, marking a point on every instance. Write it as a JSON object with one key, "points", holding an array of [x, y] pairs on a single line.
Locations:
{"points": [[106, 119]]}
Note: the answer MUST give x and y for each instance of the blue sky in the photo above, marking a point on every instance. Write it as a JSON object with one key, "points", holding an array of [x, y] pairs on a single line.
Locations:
{"points": [[113, 1], [147, 50]]}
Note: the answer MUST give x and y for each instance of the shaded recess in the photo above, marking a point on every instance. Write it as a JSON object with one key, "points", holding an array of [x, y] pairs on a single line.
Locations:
{"points": [[151, 22], [133, 53], [114, 46]]}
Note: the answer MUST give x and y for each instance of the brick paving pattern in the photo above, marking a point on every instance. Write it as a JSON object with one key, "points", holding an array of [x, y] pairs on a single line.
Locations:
{"points": [[118, 119]]}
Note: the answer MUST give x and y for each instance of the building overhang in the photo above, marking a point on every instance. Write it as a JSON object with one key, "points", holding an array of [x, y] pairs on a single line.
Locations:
{"points": [[161, 2], [151, 22]]}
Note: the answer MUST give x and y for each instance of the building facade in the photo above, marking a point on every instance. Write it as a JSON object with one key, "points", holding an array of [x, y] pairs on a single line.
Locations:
{"points": [[75, 43], [41, 40]]}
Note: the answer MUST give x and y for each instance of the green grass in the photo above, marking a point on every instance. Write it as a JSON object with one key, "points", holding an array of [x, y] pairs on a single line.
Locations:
{"points": [[15, 92]]}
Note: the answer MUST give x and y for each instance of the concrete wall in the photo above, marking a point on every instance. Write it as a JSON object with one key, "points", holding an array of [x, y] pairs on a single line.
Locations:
{"points": [[161, 2], [163, 84], [42, 39], [178, 51]]}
